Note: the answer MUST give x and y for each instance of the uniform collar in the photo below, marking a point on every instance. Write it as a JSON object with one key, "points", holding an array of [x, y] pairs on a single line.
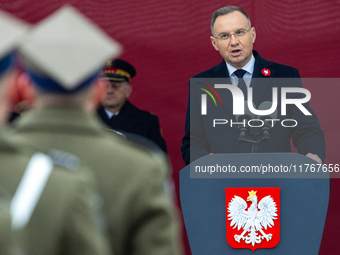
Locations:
{"points": [[59, 119], [5, 144]]}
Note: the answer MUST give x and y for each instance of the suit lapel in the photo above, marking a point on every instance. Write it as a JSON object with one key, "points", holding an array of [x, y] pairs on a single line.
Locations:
{"points": [[261, 83], [221, 71]]}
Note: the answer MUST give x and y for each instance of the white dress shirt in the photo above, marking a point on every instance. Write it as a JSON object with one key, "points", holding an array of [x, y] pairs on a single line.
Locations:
{"points": [[249, 68]]}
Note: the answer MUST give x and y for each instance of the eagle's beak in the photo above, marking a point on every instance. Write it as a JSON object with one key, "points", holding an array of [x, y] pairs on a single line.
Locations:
{"points": [[250, 199]]}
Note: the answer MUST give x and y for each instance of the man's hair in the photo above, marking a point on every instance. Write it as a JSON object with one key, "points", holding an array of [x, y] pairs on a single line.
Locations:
{"points": [[224, 11]]}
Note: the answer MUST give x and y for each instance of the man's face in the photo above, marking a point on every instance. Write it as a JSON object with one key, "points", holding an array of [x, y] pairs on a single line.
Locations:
{"points": [[236, 51], [115, 94]]}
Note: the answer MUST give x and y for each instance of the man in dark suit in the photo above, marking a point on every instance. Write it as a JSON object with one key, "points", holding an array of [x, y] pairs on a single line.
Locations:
{"points": [[233, 37], [118, 113]]}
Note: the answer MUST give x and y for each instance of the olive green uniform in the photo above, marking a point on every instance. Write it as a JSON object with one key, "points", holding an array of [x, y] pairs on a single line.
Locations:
{"points": [[63, 219], [140, 217], [8, 244]]}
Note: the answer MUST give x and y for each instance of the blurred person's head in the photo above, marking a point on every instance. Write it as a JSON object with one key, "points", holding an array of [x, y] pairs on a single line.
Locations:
{"points": [[11, 31], [6, 81], [24, 93], [63, 56]]}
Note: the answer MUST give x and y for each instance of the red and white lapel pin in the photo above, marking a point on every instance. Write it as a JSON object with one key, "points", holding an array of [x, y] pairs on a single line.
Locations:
{"points": [[265, 72]]}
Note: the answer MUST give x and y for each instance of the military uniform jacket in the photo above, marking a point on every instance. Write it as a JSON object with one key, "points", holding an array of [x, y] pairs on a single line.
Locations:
{"points": [[8, 245], [133, 120], [203, 138], [63, 219], [130, 182]]}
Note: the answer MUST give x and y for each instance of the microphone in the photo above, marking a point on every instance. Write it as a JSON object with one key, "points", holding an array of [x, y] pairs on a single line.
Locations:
{"points": [[266, 129], [248, 115]]}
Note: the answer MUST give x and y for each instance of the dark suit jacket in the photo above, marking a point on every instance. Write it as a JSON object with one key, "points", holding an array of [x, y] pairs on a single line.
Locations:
{"points": [[133, 120], [203, 138]]}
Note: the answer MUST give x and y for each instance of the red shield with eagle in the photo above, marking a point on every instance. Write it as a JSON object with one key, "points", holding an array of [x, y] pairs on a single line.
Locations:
{"points": [[253, 217]]}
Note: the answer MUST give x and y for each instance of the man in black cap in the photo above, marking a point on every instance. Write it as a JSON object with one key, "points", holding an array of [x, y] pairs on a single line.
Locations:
{"points": [[118, 113]]}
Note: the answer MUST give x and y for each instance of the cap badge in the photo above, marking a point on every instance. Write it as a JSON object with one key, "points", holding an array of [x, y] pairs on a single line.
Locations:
{"points": [[109, 63]]}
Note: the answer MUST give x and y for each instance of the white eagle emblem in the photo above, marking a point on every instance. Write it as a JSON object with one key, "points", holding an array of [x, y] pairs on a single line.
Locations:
{"points": [[252, 220]]}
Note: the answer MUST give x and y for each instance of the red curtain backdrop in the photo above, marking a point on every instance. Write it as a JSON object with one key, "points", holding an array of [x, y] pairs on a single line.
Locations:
{"points": [[168, 42]]}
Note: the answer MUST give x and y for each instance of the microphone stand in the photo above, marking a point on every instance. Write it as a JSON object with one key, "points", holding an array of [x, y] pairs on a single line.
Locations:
{"points": [[243, 131], [264, 131]]}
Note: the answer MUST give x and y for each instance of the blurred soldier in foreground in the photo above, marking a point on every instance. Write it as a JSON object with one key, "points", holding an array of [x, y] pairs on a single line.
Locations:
{"points": [[63, 56], [51, 205], [8, 245]]}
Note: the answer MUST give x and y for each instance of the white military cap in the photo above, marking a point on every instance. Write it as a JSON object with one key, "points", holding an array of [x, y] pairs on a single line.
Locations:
{"points": [[11, 31], [65, 51]]}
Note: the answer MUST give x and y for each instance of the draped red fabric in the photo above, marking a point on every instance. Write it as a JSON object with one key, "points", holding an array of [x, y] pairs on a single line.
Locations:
{"points": [[168, 42]]}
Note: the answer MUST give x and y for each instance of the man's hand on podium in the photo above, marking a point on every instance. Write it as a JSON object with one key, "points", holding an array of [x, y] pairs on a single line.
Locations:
{"points": [[309, 155], [315, 157]]}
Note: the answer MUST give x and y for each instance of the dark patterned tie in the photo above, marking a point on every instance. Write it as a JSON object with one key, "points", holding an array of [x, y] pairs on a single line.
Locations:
{"points": [[241, 84], [113, 118]]}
